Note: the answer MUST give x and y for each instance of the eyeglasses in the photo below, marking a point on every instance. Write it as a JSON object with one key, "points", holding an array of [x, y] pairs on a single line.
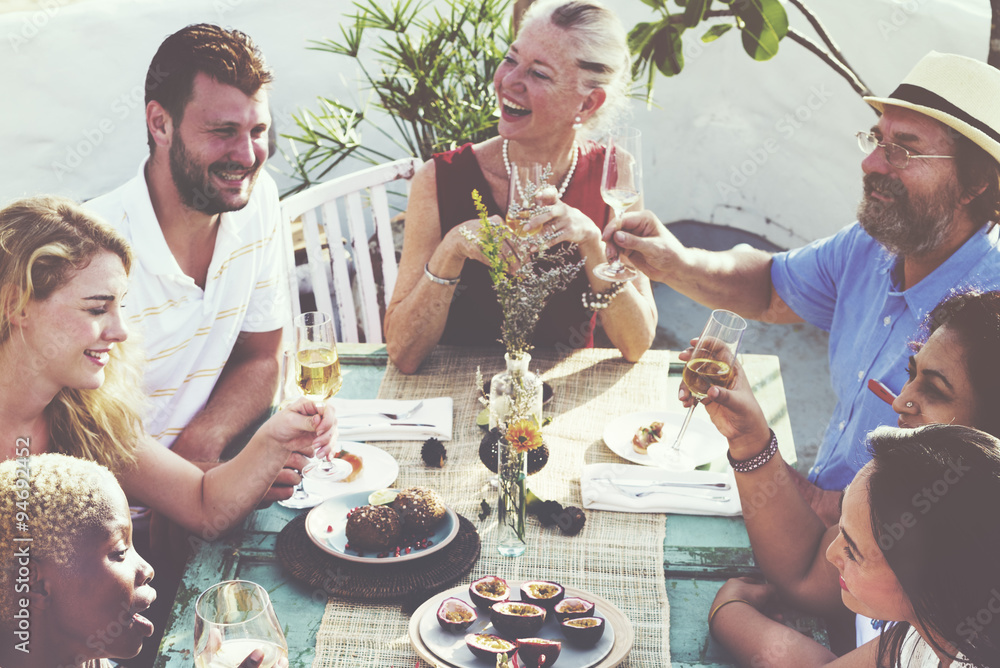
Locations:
{"points": [[895, 155]]}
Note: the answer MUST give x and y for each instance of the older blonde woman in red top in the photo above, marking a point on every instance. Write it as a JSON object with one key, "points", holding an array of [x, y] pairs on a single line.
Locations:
{"points": [[566, 74]]}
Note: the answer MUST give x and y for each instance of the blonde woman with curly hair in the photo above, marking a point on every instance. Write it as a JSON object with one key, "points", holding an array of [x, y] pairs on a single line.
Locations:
{"points": [[67, 383], [72, 588]]}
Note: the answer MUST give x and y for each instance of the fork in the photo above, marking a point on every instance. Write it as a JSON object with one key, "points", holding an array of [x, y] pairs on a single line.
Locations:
{"points": [[721, 498], [391, 416], [717, 486]]}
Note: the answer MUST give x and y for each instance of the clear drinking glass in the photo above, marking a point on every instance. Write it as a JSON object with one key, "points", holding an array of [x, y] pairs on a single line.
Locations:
{"points": [[621, 187], [313, 370], [713, 362], [319, 378], [231, 620], [527, 181]]}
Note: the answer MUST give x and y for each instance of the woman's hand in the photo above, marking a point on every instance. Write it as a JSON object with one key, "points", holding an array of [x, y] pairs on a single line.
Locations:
{"points": [[562, 222], [458, 244], [734, 411], [744, 592], [304, 426], [757, 593], [744, 621]]}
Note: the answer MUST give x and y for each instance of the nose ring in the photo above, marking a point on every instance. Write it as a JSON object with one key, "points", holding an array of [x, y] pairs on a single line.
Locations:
{"points": [[909, 404]]}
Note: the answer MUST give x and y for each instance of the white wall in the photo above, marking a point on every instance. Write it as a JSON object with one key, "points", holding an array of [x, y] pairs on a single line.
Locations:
{"points": [[767, 147], [72, 100]]}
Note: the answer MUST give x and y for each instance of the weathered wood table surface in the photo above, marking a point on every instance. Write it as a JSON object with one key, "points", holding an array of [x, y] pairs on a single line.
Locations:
{"points": [[699, 552]]}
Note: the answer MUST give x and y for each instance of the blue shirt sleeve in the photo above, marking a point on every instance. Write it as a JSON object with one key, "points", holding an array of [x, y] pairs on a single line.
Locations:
{"points": [[808, 278]]}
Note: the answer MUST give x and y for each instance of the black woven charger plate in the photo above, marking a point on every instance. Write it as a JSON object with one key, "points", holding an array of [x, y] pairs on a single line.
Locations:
{"points": [[383, 581]]}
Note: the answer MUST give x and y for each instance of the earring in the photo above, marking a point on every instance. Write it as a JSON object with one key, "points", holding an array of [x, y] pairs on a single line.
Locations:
{"points": [[577, 122], [909, 404]]}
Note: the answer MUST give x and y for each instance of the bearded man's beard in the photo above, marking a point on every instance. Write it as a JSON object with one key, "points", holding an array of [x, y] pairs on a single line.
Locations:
{"points": [[194, 185], [905, 226]]}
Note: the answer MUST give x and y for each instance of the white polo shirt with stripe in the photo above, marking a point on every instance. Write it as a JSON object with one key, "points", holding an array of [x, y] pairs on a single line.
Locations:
{"points": [[189, 333]]}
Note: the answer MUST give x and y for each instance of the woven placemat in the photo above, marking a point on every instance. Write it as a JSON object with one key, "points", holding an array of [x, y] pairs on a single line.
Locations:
{"points": [[349, 579], [617, 556]]}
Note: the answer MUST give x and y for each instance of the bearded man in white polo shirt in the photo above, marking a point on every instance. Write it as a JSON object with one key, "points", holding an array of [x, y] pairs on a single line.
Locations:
{"points": [[202, 216]]}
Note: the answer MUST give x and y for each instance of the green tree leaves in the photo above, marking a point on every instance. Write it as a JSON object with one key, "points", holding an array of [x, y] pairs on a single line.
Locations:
{"points": [[429, 67], [659, 45], [694, 12], [764, 24]]}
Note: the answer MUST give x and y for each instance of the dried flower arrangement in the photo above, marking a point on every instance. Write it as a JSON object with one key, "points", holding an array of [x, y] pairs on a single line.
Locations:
{"points": [[521, 282]]}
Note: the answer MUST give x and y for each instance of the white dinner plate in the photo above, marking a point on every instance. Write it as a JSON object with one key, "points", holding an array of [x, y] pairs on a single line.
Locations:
{"points": [[379, 469], [702, 444], [451, 647], [326, 522]]}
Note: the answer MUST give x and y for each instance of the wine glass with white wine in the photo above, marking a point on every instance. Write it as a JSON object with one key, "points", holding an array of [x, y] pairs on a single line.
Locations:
{"points": [[621, 187], [528, 181], [713, 362], [231, 620], [319, 377]]}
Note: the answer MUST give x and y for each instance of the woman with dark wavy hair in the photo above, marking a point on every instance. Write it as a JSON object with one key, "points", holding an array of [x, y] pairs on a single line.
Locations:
{"points": [[954, 379], [967, 325], [917, 545]]}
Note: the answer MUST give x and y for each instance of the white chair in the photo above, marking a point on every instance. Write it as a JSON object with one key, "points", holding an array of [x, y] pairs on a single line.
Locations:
{"points": [[321, 205]]}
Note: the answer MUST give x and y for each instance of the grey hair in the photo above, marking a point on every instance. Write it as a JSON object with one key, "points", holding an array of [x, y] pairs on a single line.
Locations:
{"points": [[601, 52]]}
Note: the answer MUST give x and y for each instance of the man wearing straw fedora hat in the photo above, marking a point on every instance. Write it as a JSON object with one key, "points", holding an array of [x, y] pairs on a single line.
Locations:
{"points": [[926, 227]]}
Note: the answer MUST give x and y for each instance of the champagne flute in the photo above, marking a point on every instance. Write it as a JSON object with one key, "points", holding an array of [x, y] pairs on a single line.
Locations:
{"points": [[231, 620], [527, 181], [621, 184], [319, 377], [713, 362]]}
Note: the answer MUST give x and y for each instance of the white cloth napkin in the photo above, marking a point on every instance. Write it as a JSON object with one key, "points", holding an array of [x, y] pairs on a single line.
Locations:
{"points": [[358, 419], [601, 495]]}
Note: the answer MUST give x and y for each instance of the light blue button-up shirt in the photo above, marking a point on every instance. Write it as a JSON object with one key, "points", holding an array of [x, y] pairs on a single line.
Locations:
{"points": [[849, 285]]}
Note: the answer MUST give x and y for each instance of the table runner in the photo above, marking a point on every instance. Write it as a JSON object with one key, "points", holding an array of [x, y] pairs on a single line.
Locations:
{"points": [[618, 556]]}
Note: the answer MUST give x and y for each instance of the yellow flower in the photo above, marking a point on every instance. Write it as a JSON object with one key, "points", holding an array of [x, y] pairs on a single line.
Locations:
{"points": [[524, 435]]}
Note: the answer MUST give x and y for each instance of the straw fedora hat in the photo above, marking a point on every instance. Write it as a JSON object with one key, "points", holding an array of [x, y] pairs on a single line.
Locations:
{"points": [[963, 93]]}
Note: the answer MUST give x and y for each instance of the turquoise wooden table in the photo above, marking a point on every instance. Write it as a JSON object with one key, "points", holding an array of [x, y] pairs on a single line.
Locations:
{"points": [[699, 552]]}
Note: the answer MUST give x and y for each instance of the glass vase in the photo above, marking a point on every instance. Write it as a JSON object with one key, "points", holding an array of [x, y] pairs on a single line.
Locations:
{"points": [[512, 472], [515, 391]]}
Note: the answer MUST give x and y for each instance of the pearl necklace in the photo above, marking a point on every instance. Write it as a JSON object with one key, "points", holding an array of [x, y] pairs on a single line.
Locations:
{"points": [[569, 176]]}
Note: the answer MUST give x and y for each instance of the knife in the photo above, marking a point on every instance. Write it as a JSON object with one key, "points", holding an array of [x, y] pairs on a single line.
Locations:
{"points": [[384, 425], [632, 482]]}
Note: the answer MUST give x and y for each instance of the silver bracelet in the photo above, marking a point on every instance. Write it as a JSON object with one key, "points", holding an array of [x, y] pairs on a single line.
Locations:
{"points": [[437, 279], [758, 460]]}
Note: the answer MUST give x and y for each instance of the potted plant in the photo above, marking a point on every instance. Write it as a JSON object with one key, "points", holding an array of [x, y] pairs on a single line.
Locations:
{"points": [[429, 78]]}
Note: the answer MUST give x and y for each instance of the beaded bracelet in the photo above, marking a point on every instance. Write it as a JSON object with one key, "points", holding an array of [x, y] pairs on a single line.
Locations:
{"points": [[437, 279], [758, 460], [711, 615], [595, 301]]}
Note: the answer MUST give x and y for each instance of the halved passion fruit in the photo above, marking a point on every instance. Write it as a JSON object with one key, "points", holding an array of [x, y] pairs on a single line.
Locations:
{"points": [[583, 631], [572, 607], [515, 619], [538, 652], [487, 646], [455, 615], [486, 591], [540, 592]]}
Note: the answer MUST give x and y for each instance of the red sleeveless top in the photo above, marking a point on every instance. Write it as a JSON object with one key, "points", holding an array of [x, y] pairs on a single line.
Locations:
{"points": [[474, 317]]}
